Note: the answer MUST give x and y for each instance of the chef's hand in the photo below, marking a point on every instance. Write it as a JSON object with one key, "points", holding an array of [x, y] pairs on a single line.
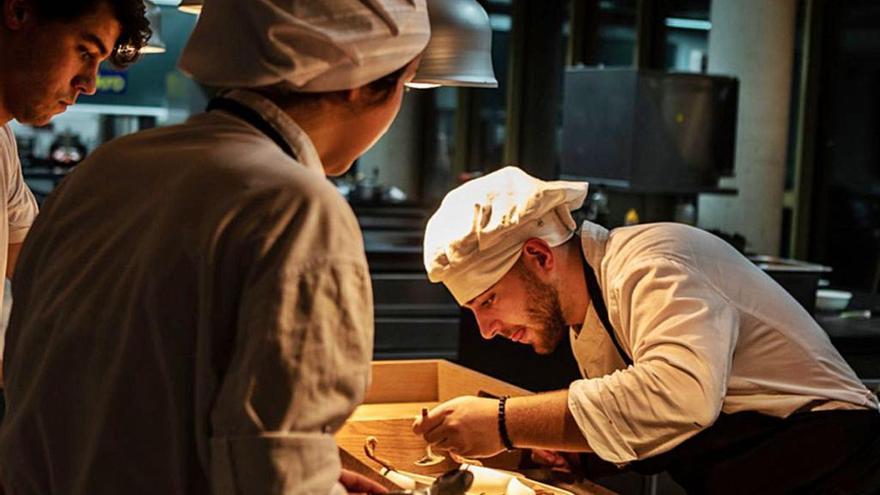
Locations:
{"points": [[356, 483], [557, 461], [467, 426]]}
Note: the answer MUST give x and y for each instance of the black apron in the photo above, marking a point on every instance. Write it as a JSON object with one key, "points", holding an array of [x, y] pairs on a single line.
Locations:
{"points": [[749, 452]]}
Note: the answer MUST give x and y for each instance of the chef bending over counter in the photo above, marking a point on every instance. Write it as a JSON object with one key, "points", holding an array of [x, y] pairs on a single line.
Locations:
{"points": [[694, 361]]}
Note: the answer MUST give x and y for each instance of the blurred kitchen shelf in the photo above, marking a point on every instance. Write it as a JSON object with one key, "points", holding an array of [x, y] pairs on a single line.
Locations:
{"points": [[624, 186], [776, 263], [46, 173]]}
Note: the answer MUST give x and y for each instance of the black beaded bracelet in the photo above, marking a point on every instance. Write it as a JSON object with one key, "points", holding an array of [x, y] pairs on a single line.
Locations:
{"points": [[502, 424]]}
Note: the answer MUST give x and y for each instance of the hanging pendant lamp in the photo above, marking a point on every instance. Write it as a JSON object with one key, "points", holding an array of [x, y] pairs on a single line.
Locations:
{"points": [[191, 6], [154, 16], [460, 50]]}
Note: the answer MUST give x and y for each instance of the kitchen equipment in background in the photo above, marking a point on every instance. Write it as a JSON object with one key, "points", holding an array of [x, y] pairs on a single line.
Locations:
{"points": [[799, 278], [650, 132], [362, 189], [112, 126], [67, 150], [832, 300], [631, 218], [597, 207], [366, 187], [686, 212], [25, 145]]}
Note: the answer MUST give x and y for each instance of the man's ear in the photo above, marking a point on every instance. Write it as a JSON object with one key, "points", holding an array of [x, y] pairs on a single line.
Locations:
{"points": [[352, 95], [357, 98], [17, 13], [538, 255]]}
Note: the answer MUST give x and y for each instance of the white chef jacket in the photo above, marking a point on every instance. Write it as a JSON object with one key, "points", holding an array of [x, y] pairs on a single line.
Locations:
{"points": [[193, 315], [707, 331], [17, 207]]}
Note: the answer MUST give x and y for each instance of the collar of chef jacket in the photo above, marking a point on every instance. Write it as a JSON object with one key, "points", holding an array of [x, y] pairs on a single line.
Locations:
{"points": [[299, 141], [593, 349]]}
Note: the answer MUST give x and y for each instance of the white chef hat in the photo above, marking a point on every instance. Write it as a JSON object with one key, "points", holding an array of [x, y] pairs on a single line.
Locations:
{"points": [[314, 45], [476, 235]]}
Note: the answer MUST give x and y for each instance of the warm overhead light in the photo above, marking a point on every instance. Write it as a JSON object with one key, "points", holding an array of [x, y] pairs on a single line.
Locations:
{"points": [[154, 17], [460, 50], [150, 49], [190, 6], [416, 85]]}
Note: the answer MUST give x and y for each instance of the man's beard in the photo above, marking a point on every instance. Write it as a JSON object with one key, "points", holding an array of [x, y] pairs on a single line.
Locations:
{"points": [[545, 313]]}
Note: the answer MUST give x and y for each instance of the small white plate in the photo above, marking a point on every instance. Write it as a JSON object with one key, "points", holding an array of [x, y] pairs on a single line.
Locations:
{"points": [[832, 300]]}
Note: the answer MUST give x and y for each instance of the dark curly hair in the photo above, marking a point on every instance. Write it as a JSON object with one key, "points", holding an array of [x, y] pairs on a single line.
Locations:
{"points": [[131, 14]]}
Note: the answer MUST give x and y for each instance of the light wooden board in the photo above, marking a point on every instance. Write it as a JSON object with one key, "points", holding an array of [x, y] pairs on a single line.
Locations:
{"points": [[403, 381], [431, 380], [394, 410], [397, 442], [455, 380], [398, 392]]}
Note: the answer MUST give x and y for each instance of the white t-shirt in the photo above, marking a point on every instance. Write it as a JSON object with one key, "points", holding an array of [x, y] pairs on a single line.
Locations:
{"points": [[18, 207]]}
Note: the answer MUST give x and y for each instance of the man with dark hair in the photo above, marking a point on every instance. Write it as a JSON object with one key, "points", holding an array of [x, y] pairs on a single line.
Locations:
{"points": [[50, 51], [49, 55]]}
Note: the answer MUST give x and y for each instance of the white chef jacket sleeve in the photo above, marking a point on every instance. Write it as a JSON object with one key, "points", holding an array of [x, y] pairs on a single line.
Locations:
{"points": [[301, 359], [21, 207], [681, 333]]}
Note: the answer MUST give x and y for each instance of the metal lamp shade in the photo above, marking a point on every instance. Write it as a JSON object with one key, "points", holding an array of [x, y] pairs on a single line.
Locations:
{"points": [[191, 6], [154, 16], [460, 50]]}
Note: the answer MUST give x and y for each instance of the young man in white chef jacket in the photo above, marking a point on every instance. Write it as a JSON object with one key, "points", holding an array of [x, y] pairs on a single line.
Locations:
{"points": [[694, 360]]}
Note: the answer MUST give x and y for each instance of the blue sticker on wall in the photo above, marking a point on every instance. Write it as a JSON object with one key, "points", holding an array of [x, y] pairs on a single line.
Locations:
{"points": [[113, 82]]}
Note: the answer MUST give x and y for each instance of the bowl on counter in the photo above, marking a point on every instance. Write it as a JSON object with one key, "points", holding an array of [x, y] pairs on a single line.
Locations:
{"points": [[832, 300]]}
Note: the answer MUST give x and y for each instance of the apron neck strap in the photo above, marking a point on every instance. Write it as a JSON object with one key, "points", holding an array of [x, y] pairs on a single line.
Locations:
{"points": [[253, 118], [601, 310]]}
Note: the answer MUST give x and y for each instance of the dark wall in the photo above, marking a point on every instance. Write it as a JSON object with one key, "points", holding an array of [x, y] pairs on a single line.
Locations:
{"points": [[847, 210]]}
